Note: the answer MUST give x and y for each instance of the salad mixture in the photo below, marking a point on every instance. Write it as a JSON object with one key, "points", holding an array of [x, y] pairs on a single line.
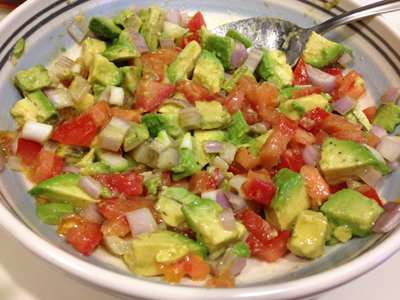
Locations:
{"points": [[185, 153]]}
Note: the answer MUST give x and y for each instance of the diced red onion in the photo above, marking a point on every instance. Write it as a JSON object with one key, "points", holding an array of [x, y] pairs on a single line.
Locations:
{"points": [[184, 19], [113, 134], [2, 162], [259, 128], [380, 132], [221, 178], [375, 153], [70, 169], [65, 62], [391, 95], [141, 221], [239, 55], [117, 96], [138, 40], [171, 30], [93, 213], [391, 206], [92, 36], [14, 146], [189, 118], [227, 75], [240, 263], [37, 132], [223, 262], [310, 155], [254, 59], [239, 204], [392, 165], [389, 148], [343, 105], [145, 155], [60, 98], [114, 160], [212, 147], [389, 219], [134, 8], [15, 163], [178, 102], [321, 79], [210, 195], [229, 152], [115, 244], [168, 159], [91, 186], [370, 176], [223, 200], [78, 30], [220, 163], [173, 16], [345, 60], [236, 182], [167, 43], [227, 219]]}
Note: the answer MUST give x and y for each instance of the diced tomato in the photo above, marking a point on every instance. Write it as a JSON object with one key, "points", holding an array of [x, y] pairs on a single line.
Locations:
{"points": [[370, 139], [190, 38], [193, 265], [271, 250], [370, 192], [257, 226], [350, 135], [115, 226], [67, 81], [300, 75], [167, 56], [291, 159], [101, 113], [337, 187], [224, 280], [151, 94], [301, 139], [334, 71], [247, 83], [276, 143], [335, 123], [319, 135], [249, 114], [237, 169], [370, 112], [214, 97], [128, 184], [82, 234], [345, 86], [317, 188], [84, 69], [196, 22], [127, 115], [28, 151], [47, 165], [117, 207], [312, 119], [247, 159], [259, 187], [79, 131], [262, 97], [234, 100], [202, 181], [154, 71], [6, 141], [166, 180], [303, 92], [192, 91]]}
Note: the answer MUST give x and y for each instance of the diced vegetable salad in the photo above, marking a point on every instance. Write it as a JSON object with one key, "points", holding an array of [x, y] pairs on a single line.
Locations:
{"points": [[185, 153]]}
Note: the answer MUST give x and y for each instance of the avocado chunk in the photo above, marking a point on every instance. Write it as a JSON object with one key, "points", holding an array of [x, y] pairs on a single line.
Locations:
{"points": [[290, 199], [135, 136], [183, 65], [231, 82], [23, 111], [46, 111], [222, 48], [128, 19], [237, 36], [170, 203], [202, 216], [353, 210], [153, 22], [310, 232], [132, 77], [256, 144], [273, 67], [91, 47], [122, 50], [96, 168], [156, 123], [209, 135], [320, 52], [104, 28], [343, 160], [209, 72], [104, 72], [150, 249], [237, 133], [152, 185], [63, 188], [387, 116], [294, 109], [212, 115], [35, 78], [51, 213]]}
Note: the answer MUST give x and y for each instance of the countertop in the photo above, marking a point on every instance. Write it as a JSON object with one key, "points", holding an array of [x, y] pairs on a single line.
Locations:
{"points": [[23, 276]]}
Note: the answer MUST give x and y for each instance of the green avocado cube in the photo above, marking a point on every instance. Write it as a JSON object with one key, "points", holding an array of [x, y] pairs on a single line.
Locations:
{"points": [[237, 36], [209, 72], [295, 108], [387, 116], [231, 82], [104, 28], [51, 213], [135, 136], [222, 48], [212, 115], [46, 110], [132, 78], [104, 72], [156, 123], [122, 50], [91, 47], [153, 22], [95, 168], [35, 78], [237, 133], [128, 19]]}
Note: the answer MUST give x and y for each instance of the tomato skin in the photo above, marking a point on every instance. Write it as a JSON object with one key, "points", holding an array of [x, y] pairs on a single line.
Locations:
{"points": [[300, 75], [319, 135], [166, 179], [234, 100], [190, 38], [115, 226], [276, 143], [127, 115], [101, 113], [151, 94], [316, 186], [370, 112], [249, 115], [370, 192], [259, 187], [312, 119], [28, 151], [192, 91], [47, 165], [196, 22], [128, 184], [291, 159], [301, 139], [334, 71], [247, 159], [79, 131], [202, 181], [237, 169], [193, 265], [335, 123], [214, 97], [262, 97], [166, 56], [257, 226], [345, 86], [154, 71], [224, 280]]}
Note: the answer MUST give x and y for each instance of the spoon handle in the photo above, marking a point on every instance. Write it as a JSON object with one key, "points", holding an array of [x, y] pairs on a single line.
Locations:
{"points": [[356, 14]]}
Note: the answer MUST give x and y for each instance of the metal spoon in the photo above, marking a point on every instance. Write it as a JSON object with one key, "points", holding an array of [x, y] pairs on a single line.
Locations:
{"points": [[279, 34]]}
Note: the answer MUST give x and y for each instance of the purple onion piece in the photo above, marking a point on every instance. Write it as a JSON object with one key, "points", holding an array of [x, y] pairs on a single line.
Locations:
{"points": [[239, 204], [392, 165], [387, 221], [238, 266], [227, 219], [343, 105], [179, 102], [321, 79], [345, 60], [370, 176], [391, 95], [212, 147], [239, 55], [223, 200], [138, 40], [310, 155], [173, 16], [167, 43], [254, 59]]}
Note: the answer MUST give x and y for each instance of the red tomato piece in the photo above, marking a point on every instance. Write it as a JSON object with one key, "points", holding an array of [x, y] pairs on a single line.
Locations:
{"points": [[319, 135], [257, 226], [312, 119], [307, 91], [247, 83], [192, 91], [334, 71], [316, 186], [247, 159], [291, 159], [127, 115], [193, 265], [276, 143], [196, 22], [301, 139], [234, 100], [249, 114], [237, 169], [370, 112], [262, 97], [345, 86], [214, 97], [101, 113], [300, 75], [128, 184], [224, 280], [167, 56], [202, 181], [117, 207], [151, 94], [28, 151], [259, 187], [79, 131], [154, 71], [335, 123], [370, 192], [166, 179], [350, 135], [115, 226], [47, 165], [190, 38]]}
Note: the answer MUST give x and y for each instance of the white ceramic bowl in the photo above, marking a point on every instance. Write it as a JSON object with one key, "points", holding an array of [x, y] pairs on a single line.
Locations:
{"points": [[43, 24]]}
